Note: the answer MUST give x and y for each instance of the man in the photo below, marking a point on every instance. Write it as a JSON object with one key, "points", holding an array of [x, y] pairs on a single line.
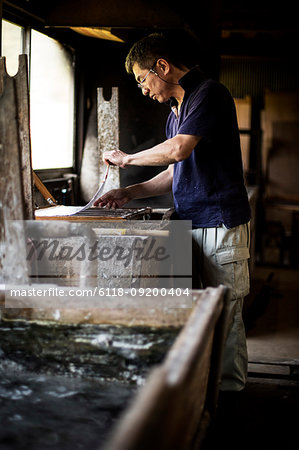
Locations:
{"points": [[202, 151]]}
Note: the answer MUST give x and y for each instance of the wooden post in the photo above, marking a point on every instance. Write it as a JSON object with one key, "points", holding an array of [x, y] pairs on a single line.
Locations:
{"points": [[13, 251], [22, 96], [21, 100]]}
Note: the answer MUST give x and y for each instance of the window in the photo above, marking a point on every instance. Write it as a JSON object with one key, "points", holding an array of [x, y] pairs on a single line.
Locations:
{"points": [[51, 95], [11, 46], [51, 103]]}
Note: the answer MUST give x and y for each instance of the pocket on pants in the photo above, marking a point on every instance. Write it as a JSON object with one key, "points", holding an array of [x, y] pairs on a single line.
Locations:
{"points": [[234, 270]]}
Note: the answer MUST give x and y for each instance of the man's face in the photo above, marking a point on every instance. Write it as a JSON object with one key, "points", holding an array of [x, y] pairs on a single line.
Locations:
{"points": [[151, 84]]}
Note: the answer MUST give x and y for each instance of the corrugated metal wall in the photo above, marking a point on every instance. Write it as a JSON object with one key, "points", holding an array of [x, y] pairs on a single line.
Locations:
{"points": [[251, 76]]}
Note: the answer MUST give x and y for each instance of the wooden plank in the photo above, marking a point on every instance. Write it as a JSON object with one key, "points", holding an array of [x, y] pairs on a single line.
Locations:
{"points": [[129, 310], [169, 411], [22, 96], [11, 189]]}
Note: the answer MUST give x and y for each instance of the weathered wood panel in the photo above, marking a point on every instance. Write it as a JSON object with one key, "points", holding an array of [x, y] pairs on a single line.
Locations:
{"points": [[21, 99], [126, 310], [170, 411], [22, 96], [11, 188]]}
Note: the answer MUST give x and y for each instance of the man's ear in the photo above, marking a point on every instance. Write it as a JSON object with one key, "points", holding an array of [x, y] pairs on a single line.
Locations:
{"points": [[163, 65]]}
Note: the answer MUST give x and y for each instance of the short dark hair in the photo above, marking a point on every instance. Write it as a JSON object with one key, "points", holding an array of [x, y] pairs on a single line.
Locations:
{"points": [[158, 45]]}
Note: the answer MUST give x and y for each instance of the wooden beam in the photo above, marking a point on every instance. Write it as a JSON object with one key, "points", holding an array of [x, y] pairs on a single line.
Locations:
{"points": [[12, 245], [21, 101], [22, 96], [170, 412], [132, 13]]}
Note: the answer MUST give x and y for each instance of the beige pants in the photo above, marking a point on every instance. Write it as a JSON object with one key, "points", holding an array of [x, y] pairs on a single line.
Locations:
{"points": [[220, 256]]}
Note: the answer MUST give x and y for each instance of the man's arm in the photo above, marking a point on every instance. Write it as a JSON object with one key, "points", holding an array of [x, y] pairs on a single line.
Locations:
{"points": [[158, 185], [170, 151]]}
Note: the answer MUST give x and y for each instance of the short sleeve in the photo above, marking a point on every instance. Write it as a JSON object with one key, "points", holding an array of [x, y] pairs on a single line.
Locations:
{"points": [[204, 110]]}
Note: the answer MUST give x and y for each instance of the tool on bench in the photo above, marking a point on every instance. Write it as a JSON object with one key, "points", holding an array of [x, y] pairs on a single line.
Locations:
{"points": [[43, 190]]}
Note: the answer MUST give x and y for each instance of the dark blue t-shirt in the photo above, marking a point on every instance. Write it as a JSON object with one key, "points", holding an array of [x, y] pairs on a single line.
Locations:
{"points": [[208, 187]]}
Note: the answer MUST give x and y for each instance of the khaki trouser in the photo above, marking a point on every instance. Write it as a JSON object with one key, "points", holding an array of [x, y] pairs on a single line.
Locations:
{"points": [[220, 256]]}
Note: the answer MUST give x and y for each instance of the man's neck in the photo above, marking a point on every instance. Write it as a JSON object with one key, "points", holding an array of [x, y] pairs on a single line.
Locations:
{"points": [[179, 94]]}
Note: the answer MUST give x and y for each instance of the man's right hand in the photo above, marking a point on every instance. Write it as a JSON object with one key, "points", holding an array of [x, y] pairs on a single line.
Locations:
{"points": [[113, 199]]}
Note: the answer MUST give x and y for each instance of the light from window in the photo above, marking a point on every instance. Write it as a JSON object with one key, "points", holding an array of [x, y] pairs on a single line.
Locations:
{"points": [[51, 103], [11, 46]]}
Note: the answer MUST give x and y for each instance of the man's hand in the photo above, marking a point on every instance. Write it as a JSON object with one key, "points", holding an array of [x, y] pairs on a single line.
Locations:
{"points": [[115, 157], [113, 199]]}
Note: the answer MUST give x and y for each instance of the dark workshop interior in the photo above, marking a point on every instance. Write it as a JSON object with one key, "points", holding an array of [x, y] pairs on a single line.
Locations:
{"points": [[252, 48]]}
